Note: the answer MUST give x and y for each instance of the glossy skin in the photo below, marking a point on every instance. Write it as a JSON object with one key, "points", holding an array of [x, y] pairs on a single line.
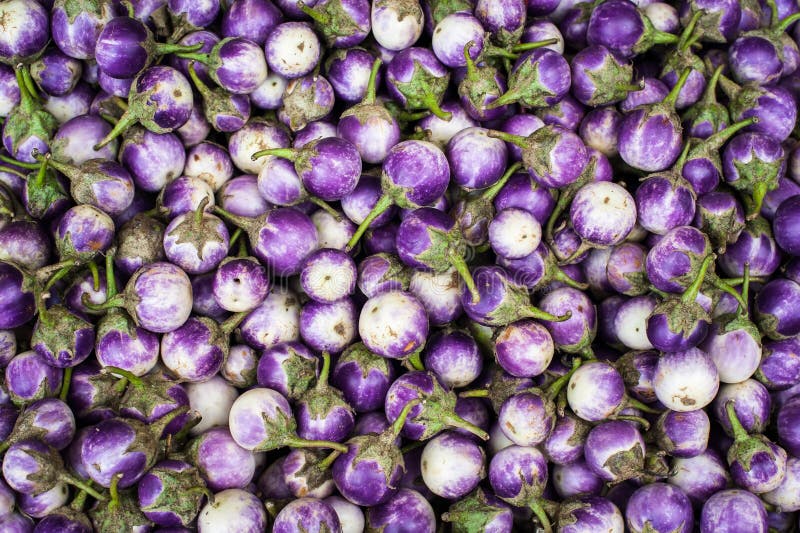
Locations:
{"points": [[454, 357], [309, 514], [407, 509], [393, 324], [234, 508], [476, 160], [221, 462], [734, 510], [615, 450], [673, 514]]}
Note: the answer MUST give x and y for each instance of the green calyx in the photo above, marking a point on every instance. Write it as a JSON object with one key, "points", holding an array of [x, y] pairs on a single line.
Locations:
{"points": [[121, 513], [216, 102], [332, 20], [480, 83], [612, 82], [365, 360], [438, 413], [300, 104], [182, 493], [722, 228], [425, 91], [43, 190], [757, 177], [524, 87], [501, 387], [322, 399], [28, 119], [197, 229], [625, 464], [441, 8], [56, 332], [473, 513], [72, 8], [745, 446], [301, 372]]}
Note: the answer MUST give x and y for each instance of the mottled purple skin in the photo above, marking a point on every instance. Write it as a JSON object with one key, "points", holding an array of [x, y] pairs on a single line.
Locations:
{"points": [[279, 184], [393, 324], [407, 510], [160, 296], [589, 514], [522, 191], [752, 405], [503, 19], [565, 443], [626, 268], [76, 36], [788, 428], [58, 523], [24, 243], [196, 128], [208, 40], [451, 35], [749, 150], [578, 331], [109, 449], [775, 306], [364, 386], [755, 59], [16, 523], [615, 450], [121, 50], [153, 487], [192, 352], [55, 72], [774, 198], [780, 364], [306, 514], [28, 378], [720, 19], [590, 64], [271, 482], [251, 412], [662, 337], [523, 125], [476, 160], [202, 253], [153, 159], [26, 468], [9, 91], [276, 320], [222, 463], [332, 169], [414, 241], [83, 232], [119, 87], [755, 246], [683, 434], [454, 357], [576, 479], [653, 91], [21, 42], [240, 284], [567, 113], [772, 106], [328, 327], [49, 420], [596, 391], [42, 504], [362, 199], [251, 19], [663, 203], [531, 270], [650, 140], [673, 514], [402, 68], [166, 95], [290, 36], [734, 510], [306, 100], [700, 476], [381, 240], [599, 130], [785, 223], [526, 418], [70, 349], [282, 239], [240, 196], [198, 14], [203, 303], [240, 66], [518, 474], [674, 256], [419, 171], [618, 26], [362, 479], [603, 213], [74, 141], [524, 348]]}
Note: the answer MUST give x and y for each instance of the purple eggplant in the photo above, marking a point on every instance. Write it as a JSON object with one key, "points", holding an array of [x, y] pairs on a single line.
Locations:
{"points": [[341, 24], [734, 506], [779, 366], [292, 49], [396, 25], [28, 127], [28, 378], [638, 35], [675, 390], [682, 434], [672, 514], [590, 513], [518, 476], [206, 452], [234, 508], [158, 489], [773, 310], [615, 450], [153, 159], [539, 78], [27, 33], [482, 510], [768, 104]]}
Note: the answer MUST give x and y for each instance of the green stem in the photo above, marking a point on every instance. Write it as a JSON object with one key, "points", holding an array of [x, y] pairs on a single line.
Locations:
{"points": [[556, 386], [232, 322], [759, 192], [538, 314], [133, 379], [64, 269], [415, 360], [81, 484], [283, 153], [636, 404], [369, 96], [739, 433], [21, 164], [297, 442], [662, 37], [200, 211], [560, 275], [524, 47], [432, 103], [710, 94], [745, 289], [453, 420], [321, 18], [114, 492], [322, 380], [67, 379], [719, 138], [508, 97], [691, 292], [400, 421], [672, 97], [383, 203], [125, 121], [685, 42], [235, 237], [472, 70], [194, 56], [10, 170], [26, 99], [236, 220], [478, 393], [121, 385], [325, 206], [517, 140], [205, 91], [682, 158], [458, 262], [788, 21], [328, 461], [490, 193], [117, 301], [78, 501], [537, 509], [157, 427], [95, 275], [6, 444], [631, 418], [774, 15], [721, 285], [170, 48], [29, 83], [111, 282]]}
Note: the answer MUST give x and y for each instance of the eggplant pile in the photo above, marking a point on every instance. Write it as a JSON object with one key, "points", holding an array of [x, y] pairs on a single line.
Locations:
{"points": [[399, 266]]}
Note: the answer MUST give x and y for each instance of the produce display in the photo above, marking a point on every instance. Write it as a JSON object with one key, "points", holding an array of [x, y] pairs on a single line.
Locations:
{"points": [[399, 266]]}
